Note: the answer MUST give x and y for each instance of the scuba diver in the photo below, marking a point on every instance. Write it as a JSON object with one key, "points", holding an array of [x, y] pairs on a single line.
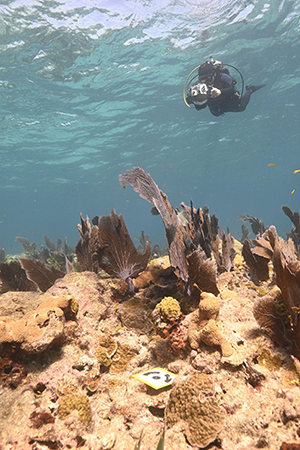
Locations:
{"points": [[215, 88]]}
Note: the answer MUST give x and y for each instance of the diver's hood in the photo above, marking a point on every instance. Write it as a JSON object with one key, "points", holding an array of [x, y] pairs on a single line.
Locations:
{"points": [[199, 93]]}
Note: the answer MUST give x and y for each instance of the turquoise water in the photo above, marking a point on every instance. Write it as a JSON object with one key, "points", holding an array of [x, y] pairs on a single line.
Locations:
{"points": [[90, 91]]}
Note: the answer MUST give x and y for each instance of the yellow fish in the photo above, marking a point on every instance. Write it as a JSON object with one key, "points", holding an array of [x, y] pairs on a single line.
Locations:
{"points": [[293, 191], [271, 164], [296, 171]]}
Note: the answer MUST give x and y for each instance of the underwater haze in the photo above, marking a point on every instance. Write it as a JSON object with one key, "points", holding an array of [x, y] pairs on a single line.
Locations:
{"points": [[91, 89]]}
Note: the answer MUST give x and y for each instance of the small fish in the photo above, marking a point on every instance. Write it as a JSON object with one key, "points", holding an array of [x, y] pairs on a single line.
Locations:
{"points": [[271, 164], [296, 171], [293, 191]]}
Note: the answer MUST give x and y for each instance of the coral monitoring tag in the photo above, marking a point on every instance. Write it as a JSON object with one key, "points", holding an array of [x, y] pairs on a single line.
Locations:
{"points": [[156, 378]]}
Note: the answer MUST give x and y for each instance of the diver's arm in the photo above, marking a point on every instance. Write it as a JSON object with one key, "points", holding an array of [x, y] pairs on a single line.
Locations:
{"points": [[228, 90]]}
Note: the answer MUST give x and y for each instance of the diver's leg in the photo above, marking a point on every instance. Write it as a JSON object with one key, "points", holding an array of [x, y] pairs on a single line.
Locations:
{"points": [[246, 97], [244, 101]]}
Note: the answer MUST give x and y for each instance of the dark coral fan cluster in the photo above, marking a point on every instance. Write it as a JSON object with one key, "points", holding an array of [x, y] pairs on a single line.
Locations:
{"points": [[108, 246], [193, 244], [280, 313]]}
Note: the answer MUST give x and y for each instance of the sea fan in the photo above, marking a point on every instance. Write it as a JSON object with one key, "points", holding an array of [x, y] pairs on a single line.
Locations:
{"points": [[116, 253]]}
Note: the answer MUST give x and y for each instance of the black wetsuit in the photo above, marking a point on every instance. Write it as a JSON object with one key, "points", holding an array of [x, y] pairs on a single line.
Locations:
{"points": [[230, 99]]}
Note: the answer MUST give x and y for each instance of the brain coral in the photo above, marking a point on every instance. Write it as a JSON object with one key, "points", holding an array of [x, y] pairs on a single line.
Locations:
{"points": [[192, 401]]}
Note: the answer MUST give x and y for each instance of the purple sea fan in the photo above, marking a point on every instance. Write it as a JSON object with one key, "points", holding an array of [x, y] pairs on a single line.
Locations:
{"points": [[176, 235], [116, 253]]}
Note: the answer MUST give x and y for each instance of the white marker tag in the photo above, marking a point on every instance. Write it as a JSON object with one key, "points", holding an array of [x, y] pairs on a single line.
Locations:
{"points": [[156, 378]]}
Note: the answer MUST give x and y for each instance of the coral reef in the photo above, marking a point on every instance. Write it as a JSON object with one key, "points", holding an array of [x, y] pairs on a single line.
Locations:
{"points": [[70, 356]]}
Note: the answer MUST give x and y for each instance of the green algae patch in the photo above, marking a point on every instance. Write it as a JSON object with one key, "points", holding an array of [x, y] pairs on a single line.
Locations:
{"points": [[169, 308], [79, 403], [271, 362]]}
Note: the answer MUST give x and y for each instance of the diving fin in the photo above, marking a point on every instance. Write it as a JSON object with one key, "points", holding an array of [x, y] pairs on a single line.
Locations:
{"points": [[251, 88]]}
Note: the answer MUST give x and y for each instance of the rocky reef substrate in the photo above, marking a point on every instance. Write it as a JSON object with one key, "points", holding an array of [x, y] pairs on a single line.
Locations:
{"points": [[68, 357]]}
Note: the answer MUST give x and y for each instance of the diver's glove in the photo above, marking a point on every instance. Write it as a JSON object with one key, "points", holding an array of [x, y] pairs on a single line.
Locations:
{"points": [[214, 92]]}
